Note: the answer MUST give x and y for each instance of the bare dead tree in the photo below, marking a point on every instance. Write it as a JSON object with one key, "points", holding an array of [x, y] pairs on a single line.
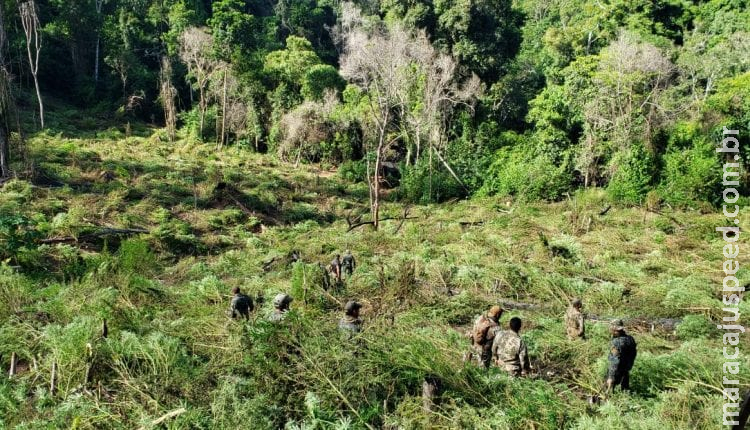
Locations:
{"points": [[195, 52], [378, 62], [32, 30], [387, 62]]}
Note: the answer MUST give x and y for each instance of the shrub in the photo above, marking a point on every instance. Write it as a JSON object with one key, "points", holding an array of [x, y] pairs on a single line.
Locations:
{"points": [[518, 172], [420, 184], [690, 176], [320, 78], [633, 173], [695, 327], [353, 171], [135, 257]]}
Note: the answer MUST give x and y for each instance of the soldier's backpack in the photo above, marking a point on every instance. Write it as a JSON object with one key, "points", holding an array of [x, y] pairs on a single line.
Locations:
{"points": [[481, 328]]}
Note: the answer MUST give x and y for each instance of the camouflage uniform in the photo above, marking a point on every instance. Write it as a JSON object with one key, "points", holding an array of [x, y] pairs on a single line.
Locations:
{"points": [[574, 323], [336, 268], [350, 324], [241, 305], [277, 316], [281, 307], [348, 264], [510, 352], [482, 348], [622, 353]]}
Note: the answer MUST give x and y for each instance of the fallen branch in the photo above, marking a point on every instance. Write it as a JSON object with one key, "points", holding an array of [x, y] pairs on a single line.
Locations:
{"points": [[165, 417], [605, 210], [673, 219], [403, 220], [89, 237], [357, 223]]}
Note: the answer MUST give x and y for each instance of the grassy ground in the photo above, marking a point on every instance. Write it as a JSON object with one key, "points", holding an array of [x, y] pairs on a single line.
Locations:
{"points": [[171, 348]]}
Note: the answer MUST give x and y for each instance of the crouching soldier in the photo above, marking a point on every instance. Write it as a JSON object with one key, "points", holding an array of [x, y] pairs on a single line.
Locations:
{"points": [[280, 307], [351, 323], [509, 350], [482, 335], [241, 305], [622, 353]]}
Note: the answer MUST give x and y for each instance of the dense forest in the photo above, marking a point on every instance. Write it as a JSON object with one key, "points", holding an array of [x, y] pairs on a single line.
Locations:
{"points": [[156, 154], [527, 98]]}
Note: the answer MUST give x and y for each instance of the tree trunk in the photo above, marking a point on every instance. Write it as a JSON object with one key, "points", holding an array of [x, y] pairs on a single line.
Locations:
{"points": [[224, 112], [5, 104], [4, 150], [202, 102], [96, 62], [376, 196], [41, 104], [98, 41], [31, 28], [168, 95]]}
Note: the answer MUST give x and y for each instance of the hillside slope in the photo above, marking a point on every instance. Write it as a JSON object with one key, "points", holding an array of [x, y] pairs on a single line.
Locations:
{"points": [[192, 222]]}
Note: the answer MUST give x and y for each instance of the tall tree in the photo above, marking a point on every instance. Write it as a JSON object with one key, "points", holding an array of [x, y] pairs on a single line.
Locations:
{"points": [[195, 51], [5, 102], [32, 30], [409, 86], [98, 5]]}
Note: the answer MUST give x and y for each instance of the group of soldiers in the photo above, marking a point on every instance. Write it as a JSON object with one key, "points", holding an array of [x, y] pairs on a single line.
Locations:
{"points": [[490, 345], [342, 265], [507, 350], [241, 305]]}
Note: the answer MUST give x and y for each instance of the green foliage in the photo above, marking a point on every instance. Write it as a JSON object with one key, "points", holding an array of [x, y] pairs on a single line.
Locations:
{"points": [[318, 79], [292, 63], [691, 175], [632, 177], [518, 172], [695, 327], [422, 184], [17, 237], [353, 171]]}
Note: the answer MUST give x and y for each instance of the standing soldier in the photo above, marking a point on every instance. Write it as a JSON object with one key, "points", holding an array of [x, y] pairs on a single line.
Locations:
{"points": [[351, 323], [622, 353], [281, 307], [241, 305], [348, 263], [336, 267], [326, 278], [483, 334], [574, 320], [509, 350]]}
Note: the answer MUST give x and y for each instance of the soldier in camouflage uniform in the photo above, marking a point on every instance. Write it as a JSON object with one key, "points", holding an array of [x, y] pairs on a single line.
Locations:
{"points": [[281, 307], [574, 320], [482, 335], [326, 279], [348, 263], [335, 267], [241, 305], [622, 353], [509, 350], [351, 323]]}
